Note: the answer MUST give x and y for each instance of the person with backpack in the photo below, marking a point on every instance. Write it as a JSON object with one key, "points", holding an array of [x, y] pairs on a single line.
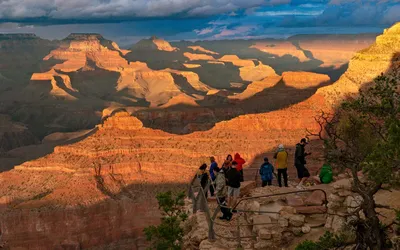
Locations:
{"points": [[281, 157], [300, 161], [203, 176], [212, 175], [266, 173], [220, 191], [233, 179], [240, 162]]}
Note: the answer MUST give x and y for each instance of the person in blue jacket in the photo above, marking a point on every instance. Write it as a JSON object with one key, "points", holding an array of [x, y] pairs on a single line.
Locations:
{"points": [[213, 165], [266, 173]]}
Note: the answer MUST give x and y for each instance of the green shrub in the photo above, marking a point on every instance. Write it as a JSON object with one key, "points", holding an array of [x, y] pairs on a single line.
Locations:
{"points": [[325, 242], [168, 234]]}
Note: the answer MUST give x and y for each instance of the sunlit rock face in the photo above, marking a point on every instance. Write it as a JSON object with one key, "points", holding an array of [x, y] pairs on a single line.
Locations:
{"points": [[154, 43], [85, 52], [281, 49], [303, 80], [366, 65], [333, 50]]}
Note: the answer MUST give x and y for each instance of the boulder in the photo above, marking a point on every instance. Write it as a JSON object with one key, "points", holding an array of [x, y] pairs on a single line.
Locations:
{"points": [[253, 206], [297, 231], [335, 198], [342, 184], [317, 198], [311, 210], [297, 220], [305, 229], [283, 222], [338, 223], [329, 221], [316, 220], [264, 234], [273, 209], [288, 209], [263, 245], [264, 221], [294, 200], [246, 187], [353, 201], [344, 193]]}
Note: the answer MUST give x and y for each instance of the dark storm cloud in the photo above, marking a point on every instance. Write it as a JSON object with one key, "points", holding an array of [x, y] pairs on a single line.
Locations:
{"points": [[119, 10], [196, 19]]}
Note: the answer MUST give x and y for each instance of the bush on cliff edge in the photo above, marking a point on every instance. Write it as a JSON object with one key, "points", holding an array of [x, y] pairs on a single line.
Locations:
{"points": [[168, 234], [363, 136]]}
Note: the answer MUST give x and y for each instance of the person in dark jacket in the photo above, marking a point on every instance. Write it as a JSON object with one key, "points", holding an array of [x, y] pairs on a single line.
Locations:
{"points": [[227, 163], [203, 176], [266, 173], [300, 162], [212, 175], [233, 179]]}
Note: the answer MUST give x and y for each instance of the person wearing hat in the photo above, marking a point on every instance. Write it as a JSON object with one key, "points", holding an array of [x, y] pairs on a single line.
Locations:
{"points": [[281, 157], [300, 162]]}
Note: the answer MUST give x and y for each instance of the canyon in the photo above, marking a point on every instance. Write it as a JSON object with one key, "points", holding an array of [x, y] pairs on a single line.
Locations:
{"points": [[152, 122]]}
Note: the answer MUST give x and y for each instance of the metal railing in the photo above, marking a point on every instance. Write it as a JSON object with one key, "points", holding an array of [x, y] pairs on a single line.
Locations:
{"points": [[200, 203]]}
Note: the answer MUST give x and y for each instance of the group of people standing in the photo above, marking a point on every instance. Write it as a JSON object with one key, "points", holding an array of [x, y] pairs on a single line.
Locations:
{"points": [[281, 156], [230, 175]]}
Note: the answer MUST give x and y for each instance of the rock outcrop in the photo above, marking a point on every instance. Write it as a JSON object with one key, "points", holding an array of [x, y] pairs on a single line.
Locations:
{"points": [[366, 65], [154, 43], [303, 80], [257, 87], [198, 57], [202, 50], [281, 49], [333, 50]]}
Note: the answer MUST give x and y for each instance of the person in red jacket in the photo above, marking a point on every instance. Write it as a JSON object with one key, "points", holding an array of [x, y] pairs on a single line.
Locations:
{"points": [[240, 162]]}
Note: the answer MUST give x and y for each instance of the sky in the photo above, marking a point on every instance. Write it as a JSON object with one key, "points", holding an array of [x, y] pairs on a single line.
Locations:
{"points": [[127, 21]]}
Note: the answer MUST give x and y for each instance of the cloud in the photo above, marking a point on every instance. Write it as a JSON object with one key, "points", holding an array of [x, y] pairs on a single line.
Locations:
{"points": [[234, 32], [112, 10]]}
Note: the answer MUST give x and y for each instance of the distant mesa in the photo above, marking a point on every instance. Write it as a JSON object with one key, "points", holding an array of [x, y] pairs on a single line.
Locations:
{"points": [[84, 37], [121, 120], [256, 73], [304, 80], [191, 65], [333, 50], [198, 57], [281, 49], [154, 43], [202, 50], [257, 87], [181, 99], [18, 36], [235, 60]]}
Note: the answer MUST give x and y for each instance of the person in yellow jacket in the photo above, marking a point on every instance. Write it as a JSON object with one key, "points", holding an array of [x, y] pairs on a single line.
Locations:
{"points": [[281, 157]]}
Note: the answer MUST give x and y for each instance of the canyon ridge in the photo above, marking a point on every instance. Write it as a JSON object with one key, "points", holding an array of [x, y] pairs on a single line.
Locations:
{"points": [[91, 132]]}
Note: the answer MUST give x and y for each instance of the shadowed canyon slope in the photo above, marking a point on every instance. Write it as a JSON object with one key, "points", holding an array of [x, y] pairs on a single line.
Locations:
{"points": [[120, 166], [63, 86]]}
